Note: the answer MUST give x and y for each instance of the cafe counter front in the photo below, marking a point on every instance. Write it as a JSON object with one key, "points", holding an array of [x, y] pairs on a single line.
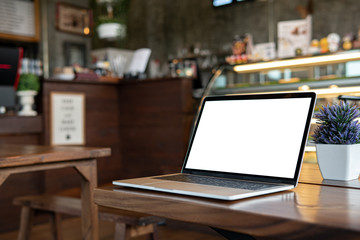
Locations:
{"points": [[146, 124]]}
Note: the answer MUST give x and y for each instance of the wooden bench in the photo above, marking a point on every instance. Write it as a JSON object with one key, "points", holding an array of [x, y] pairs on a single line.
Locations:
{"points": [[127, 224]]}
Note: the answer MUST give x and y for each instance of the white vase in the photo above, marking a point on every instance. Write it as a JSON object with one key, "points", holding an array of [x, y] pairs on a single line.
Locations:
{"points": [[111, 31], [338, 161], [27, 100]]}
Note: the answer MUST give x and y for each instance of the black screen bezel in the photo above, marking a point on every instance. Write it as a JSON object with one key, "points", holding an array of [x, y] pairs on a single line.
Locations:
{"points": [[292, 181]]}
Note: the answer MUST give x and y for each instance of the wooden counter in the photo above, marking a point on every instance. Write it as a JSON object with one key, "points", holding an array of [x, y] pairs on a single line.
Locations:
{"points": [[146, 123], [155, 122]]}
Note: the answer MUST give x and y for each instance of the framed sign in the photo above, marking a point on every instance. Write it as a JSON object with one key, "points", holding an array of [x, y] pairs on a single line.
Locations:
{"points": [[20, 20], [73, 19], [292, 36], [67, 118]]}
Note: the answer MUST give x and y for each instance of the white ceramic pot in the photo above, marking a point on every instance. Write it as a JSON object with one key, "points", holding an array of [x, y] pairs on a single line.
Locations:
{"points": [[111, 31], [27, 99], [338, 161]]}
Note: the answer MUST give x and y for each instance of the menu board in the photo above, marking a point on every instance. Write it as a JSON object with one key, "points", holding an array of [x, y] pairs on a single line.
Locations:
{"points": [[19, 19]]}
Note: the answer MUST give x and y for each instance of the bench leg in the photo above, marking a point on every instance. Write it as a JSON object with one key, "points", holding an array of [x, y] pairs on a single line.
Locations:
{"points": [[55, 224], [25, 223], [122, 232], [155, 234], [126, 232]]}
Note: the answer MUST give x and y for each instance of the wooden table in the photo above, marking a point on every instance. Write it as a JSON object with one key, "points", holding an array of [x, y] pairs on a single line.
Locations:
{"points": [[310, 173], [29, 158], [310, 211]]}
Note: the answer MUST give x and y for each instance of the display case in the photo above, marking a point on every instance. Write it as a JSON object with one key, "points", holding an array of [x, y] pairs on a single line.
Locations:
{"points": [[330, 76]]}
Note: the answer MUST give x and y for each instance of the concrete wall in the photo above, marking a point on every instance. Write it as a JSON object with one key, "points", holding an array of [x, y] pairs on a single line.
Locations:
{"points": [[56, 38], [167, 27]]}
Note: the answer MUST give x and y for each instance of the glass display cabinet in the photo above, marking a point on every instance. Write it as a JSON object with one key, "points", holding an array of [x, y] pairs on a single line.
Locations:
{"points": [[330, 76]]}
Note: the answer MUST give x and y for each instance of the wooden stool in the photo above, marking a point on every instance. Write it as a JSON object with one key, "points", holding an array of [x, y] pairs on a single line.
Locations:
{"points": [[127, 224]]}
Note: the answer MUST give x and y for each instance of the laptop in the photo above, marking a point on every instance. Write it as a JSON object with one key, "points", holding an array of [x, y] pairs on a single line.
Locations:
{"points": [[241, 146]]}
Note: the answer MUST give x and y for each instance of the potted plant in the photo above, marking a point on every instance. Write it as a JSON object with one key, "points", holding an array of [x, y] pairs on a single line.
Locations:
{"points": [[27, 89], [111, 29], [337, 138], [112, 25]]}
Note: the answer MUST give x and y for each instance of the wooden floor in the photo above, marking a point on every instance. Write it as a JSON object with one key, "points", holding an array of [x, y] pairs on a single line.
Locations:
{"points": [[71, 229]]}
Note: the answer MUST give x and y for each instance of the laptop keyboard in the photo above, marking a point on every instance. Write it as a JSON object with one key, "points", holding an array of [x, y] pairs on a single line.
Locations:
{"points": [[220, 182]]}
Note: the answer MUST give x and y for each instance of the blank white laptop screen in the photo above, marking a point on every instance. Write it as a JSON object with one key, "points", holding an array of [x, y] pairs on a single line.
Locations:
{"points": [[260, 137]]}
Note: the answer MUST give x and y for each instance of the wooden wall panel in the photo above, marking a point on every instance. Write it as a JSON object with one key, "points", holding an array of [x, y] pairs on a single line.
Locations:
{"points": [[155, 123]]}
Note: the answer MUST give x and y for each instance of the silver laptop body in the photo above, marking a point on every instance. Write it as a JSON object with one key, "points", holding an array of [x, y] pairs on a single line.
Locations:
{"points": [[241, 146]]}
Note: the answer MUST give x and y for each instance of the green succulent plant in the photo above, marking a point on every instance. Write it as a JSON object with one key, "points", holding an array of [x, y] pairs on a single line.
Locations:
{"points": [[28, 81]]}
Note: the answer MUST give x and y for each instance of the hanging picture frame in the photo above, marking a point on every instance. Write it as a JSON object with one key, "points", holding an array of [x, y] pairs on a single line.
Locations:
{"points": [[73, 19]]}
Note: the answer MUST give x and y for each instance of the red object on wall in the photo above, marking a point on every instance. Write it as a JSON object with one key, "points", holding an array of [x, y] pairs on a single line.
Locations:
{"points": [[10, 66]]}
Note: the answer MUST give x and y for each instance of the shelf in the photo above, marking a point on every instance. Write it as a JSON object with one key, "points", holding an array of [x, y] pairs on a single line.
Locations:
{"points": [[319, 86], [336, 58], [20, 125]]}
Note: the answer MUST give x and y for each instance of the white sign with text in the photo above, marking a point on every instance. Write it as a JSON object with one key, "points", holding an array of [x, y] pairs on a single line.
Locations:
{"points": [[67, 118]]}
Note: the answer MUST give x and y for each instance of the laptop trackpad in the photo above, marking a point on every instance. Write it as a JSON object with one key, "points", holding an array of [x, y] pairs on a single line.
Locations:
{"points": [[193, 187]]}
